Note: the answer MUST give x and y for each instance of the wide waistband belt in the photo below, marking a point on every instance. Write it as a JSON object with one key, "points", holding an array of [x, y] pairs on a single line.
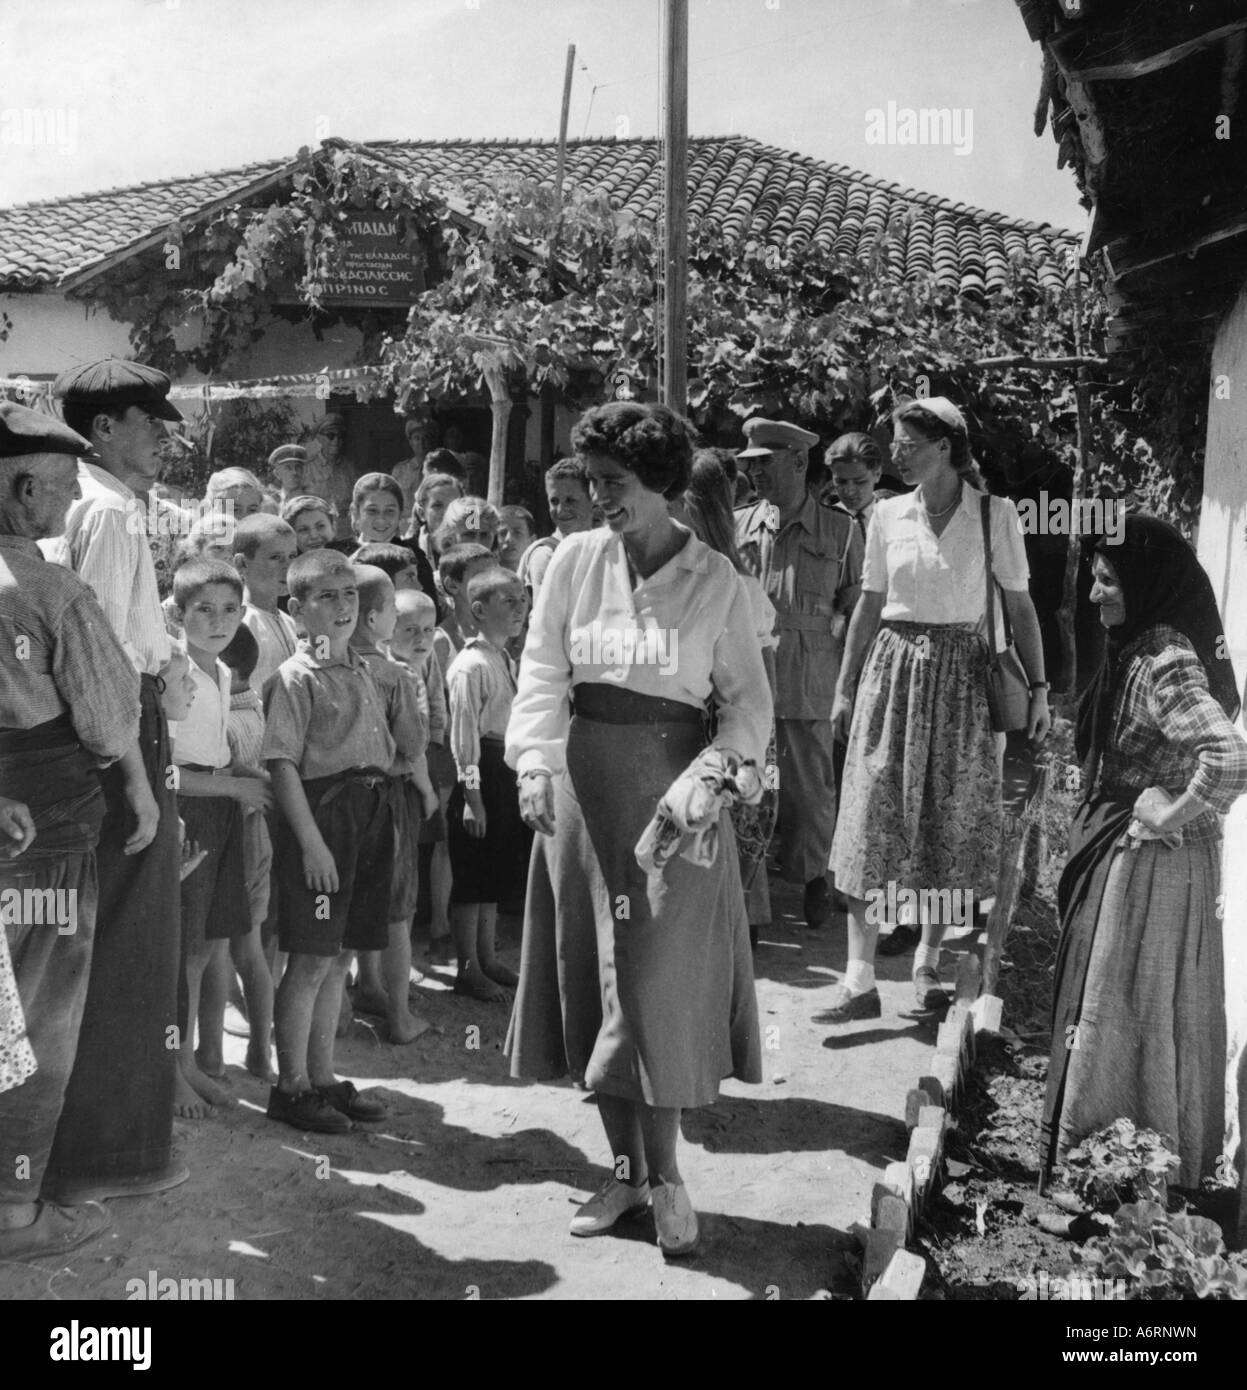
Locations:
{"points": [[53, 733], [608, 704]]}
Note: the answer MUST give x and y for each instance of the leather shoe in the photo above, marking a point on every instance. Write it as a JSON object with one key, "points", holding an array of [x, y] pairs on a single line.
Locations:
{"points": [[613, 1200], [675, 1220], [816, 905], [345, 1099], [928, 992], [899, 942], [847, 1006]]}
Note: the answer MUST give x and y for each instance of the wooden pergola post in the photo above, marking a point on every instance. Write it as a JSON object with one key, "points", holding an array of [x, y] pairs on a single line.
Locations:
{"points": [[500, 415]]}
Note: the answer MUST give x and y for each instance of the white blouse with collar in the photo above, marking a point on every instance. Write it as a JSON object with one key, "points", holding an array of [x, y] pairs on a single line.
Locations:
{"points": [[940, 579], [685, 633]]}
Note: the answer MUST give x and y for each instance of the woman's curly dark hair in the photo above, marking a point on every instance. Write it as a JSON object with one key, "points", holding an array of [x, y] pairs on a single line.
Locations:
{"points": [[651, 441]]}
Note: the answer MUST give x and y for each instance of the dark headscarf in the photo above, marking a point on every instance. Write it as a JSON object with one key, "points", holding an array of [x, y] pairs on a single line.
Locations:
{"points": [[1162, 583]]}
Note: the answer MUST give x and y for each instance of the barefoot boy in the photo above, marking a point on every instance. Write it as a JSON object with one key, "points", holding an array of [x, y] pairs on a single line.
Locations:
{"points": [[246, 736], [211, 797], [328, 745], [385, 977], [489, 843], [412, 645]]}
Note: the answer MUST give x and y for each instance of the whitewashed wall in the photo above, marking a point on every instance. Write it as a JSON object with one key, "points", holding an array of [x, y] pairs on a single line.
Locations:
{"points": [[1223, 553]]}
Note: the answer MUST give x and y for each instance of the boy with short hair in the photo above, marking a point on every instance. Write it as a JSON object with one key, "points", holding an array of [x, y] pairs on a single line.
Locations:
{"points": [[395, 559], [328, 746], [264, 548], [385, 977], [516, 531], [412, 645], [246, 736], [455, 566], [313, 520], [474, 522], [571, 510], [489, 843], [238, 487], [208, 600]]}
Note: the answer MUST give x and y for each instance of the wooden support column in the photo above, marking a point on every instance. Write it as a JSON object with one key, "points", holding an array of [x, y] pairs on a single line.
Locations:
{"points": [[675, 206], [500, 415]]}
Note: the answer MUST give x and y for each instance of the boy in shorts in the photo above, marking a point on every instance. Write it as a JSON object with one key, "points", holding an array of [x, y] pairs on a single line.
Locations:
{"points": [[246, 737], [385, 976], [212, 795], [328, 746], [412, 646], [489, 843]]}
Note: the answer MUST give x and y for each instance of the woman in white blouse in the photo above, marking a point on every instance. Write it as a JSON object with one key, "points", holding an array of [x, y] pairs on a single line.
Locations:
{"points": [[920, 807], [638, 985]]}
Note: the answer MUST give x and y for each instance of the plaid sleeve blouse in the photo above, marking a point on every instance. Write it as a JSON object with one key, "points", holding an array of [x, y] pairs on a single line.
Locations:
{"points": [[1168, 731]]}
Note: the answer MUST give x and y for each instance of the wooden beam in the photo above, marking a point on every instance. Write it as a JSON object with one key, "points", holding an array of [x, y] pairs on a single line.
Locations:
{"points": [[1138, 67], [1124, 264], [1078, 361], [675, 206]]}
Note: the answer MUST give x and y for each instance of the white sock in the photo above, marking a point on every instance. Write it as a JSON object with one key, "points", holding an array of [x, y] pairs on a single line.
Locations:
{"points": [[859, 978], [926, 958]]}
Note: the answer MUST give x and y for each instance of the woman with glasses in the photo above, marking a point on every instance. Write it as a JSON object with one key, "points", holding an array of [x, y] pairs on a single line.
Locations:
{"points": [[920, 808]]}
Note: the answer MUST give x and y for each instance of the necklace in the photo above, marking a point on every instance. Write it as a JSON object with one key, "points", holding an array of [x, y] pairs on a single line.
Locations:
{"points": [[946, 510]]}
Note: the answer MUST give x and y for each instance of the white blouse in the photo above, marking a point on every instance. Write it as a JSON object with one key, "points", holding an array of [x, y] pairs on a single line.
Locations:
{"points": [[685, 633], [940, 579]]}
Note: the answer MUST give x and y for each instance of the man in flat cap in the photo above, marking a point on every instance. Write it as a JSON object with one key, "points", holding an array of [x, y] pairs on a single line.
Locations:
{"points": [[809, 560], [69, 704], [116, 1133]]}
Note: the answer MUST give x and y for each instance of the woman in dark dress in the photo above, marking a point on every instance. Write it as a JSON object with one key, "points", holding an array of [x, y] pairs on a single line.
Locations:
{"points": [[1139, 1025]]}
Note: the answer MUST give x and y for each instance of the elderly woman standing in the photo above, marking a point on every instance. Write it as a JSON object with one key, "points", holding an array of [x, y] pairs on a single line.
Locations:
{"points": [[638, 983], [1139, 998], [921, 804]]}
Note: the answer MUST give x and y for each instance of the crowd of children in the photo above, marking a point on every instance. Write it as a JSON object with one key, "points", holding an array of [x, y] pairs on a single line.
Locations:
{"points": [[338, 707]]}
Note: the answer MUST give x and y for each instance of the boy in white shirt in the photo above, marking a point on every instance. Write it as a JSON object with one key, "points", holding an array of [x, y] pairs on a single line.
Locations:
{"points": [[208, 598]]}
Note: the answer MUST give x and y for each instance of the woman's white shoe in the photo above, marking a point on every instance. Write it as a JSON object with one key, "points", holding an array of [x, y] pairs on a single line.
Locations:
{"points": [[611, 1201], [674, 1219]]}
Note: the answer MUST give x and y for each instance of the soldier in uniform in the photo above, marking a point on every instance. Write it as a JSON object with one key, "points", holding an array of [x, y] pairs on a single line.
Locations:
{"points": [[809, 560]]}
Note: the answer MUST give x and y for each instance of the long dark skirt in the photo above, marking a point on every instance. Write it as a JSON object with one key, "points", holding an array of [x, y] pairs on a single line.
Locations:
{"points": [[642, 989], [1138, 1022]]}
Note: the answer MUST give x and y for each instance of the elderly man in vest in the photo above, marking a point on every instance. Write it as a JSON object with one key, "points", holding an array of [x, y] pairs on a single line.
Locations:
{"points": [[69, 704], [116, 1133], [809, 560]]}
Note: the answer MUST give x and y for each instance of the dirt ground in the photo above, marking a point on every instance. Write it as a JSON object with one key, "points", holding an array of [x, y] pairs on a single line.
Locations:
{"points": [[467, 1189]]}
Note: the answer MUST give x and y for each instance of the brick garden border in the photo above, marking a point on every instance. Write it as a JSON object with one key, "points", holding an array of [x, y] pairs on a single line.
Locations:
{"points": [[890, 1272]]}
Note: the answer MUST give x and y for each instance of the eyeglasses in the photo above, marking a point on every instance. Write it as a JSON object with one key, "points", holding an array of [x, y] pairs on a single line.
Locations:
{"points": [[907, 446]]}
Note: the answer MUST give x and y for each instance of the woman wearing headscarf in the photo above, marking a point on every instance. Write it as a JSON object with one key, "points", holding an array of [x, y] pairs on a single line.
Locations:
{"points": [[1139, 998], [635, 973], [921, 802]]}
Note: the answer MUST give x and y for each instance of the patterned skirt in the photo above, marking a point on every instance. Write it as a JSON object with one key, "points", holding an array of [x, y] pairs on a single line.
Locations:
{"points": [[920, 806], [17, 1061]]}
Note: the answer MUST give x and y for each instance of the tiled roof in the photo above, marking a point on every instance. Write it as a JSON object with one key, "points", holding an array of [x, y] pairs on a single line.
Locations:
{"points": [[743, 186]]}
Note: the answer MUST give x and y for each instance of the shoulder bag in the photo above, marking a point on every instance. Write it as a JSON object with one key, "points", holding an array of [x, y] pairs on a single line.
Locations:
{"points": [[1008, 690]]}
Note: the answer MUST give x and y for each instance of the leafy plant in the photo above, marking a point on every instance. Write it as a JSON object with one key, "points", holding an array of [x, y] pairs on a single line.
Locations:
{"points": [[1119, 1162], [1164, 1256]]}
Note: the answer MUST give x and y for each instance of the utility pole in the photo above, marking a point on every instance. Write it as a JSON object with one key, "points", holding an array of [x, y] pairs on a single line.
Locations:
{"points": [[675, 206], [562, 152]]}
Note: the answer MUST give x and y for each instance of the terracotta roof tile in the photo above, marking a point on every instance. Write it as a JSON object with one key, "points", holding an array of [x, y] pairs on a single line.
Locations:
{"points": [[744, 186]]}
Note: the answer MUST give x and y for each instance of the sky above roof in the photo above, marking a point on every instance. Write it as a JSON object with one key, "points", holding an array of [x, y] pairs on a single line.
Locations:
{"points": [[102, 93]]}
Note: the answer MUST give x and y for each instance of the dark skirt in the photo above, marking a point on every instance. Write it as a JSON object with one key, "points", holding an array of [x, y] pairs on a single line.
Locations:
{"points": [[491, 869], [1138, 1018], [642, 989]]}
